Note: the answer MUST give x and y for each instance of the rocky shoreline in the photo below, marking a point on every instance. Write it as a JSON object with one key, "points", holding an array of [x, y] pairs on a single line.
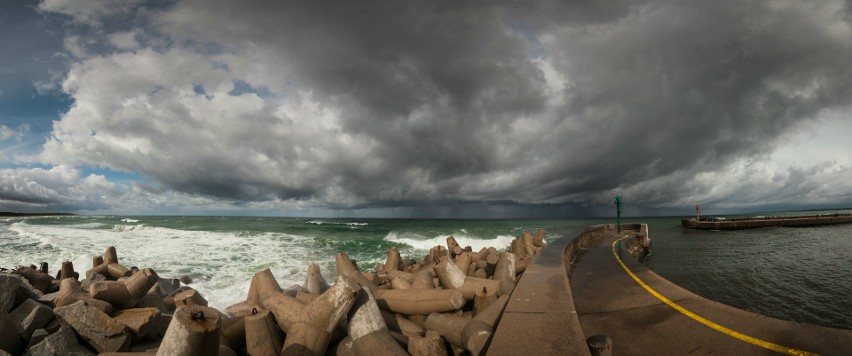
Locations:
{"points": [[448, 302]]}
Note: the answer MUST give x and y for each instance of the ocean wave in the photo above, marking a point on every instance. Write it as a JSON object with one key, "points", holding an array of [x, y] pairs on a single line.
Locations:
{"points": [[324, 222], [93, 225], [130, 227], [221, 263], [424, 243], [129, 220]]}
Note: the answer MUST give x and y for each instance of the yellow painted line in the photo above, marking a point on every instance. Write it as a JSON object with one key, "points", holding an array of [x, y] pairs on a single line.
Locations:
{"points": [[698, 318]]}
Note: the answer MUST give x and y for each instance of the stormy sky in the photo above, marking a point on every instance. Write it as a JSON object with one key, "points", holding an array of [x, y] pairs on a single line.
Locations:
{"points": [[424, 108]]}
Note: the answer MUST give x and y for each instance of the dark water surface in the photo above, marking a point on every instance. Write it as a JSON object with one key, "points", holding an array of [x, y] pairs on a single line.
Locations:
{"points": [[798, 274]]}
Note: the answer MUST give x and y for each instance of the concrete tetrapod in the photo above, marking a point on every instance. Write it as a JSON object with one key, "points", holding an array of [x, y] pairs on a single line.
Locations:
{"points": [[368, 332], [394, 260], [419, 301], [449, 273], [483, 299], [122, 293], [538, 240], [390, 275], [504, 272], [491, 263], [310, 331], [469, 334], [314, 281], [233, 332], [423, 279], [400, 324], [528, 245], [463, 261], [190, 296], [347, 267], [194, 330], [451, 246], [110, 266], [430, 345], [400, 283], [285, 308], [517, 248], [262, 335], [453, 278], [70, 292], [435, 254], [263, 285], [67, 271]]}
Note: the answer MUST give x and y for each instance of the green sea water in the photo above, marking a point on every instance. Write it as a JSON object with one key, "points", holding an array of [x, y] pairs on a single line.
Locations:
{"points": [[795, 274]]}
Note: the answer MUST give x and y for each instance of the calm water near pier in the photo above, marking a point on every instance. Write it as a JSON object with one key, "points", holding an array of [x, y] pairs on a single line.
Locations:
{"points": [[802, 274]]}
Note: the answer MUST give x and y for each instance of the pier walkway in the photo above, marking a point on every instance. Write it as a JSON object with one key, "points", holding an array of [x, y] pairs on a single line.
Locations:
{"points": [[610, 301]]}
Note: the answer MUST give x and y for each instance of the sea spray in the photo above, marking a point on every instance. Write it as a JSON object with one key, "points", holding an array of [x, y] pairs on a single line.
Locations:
{"points": [[421, 243], [220, 254]]}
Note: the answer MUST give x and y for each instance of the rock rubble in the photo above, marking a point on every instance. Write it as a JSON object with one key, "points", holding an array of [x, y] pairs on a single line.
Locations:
{"points": [[447, 302]]}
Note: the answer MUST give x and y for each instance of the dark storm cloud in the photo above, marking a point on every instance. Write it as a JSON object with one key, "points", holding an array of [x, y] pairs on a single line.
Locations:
{"points": [[366, 104]]}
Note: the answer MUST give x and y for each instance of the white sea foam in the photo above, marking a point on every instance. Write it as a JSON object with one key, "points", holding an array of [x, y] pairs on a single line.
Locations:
{"points": [[321, 222], [221, 264], [90, 226], [130, 220], [129, 227], [423, 243]]}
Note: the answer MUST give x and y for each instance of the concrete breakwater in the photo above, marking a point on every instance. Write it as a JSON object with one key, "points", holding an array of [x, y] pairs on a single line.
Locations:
{"points": [[540, 318], [769, 221], [447, 302]]}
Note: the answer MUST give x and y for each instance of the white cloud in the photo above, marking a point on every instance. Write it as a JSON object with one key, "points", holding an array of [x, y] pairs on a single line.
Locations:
{"points": [[275, 103], [60, 187], [125, 40], [6, 133], [140, 112]]}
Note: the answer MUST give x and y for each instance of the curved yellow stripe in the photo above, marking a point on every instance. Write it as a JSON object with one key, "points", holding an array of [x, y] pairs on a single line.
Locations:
{"points": [[712, 325]]}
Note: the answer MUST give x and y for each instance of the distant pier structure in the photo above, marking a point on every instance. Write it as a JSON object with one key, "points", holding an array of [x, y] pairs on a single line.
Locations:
{"points": [[757, 222]]}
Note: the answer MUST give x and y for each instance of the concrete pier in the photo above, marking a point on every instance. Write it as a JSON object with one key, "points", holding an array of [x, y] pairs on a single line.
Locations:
{"points": [[609, 301], [576, 288]]}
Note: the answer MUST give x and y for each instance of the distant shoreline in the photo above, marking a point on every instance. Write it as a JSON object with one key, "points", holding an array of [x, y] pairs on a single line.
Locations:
{"points": [[25, 215]]}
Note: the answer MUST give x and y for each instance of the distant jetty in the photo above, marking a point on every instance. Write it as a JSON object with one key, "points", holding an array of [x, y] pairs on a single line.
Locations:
{"points": [[757, 222], [28, 215]]}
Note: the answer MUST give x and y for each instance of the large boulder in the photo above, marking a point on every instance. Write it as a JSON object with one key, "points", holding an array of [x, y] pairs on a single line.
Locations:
{"points": [[39, 280], [70, 293], [31, 315], [10, 334], [141, 321], [103, 333], [14, 290], [63, 342]]}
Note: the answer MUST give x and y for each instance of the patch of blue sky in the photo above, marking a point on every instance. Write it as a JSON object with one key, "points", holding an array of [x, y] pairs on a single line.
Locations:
{"points": [[24, 105], [241, 87], [204, 47], [24, 165], [199, 89], [111, 175], [30, 115]]}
